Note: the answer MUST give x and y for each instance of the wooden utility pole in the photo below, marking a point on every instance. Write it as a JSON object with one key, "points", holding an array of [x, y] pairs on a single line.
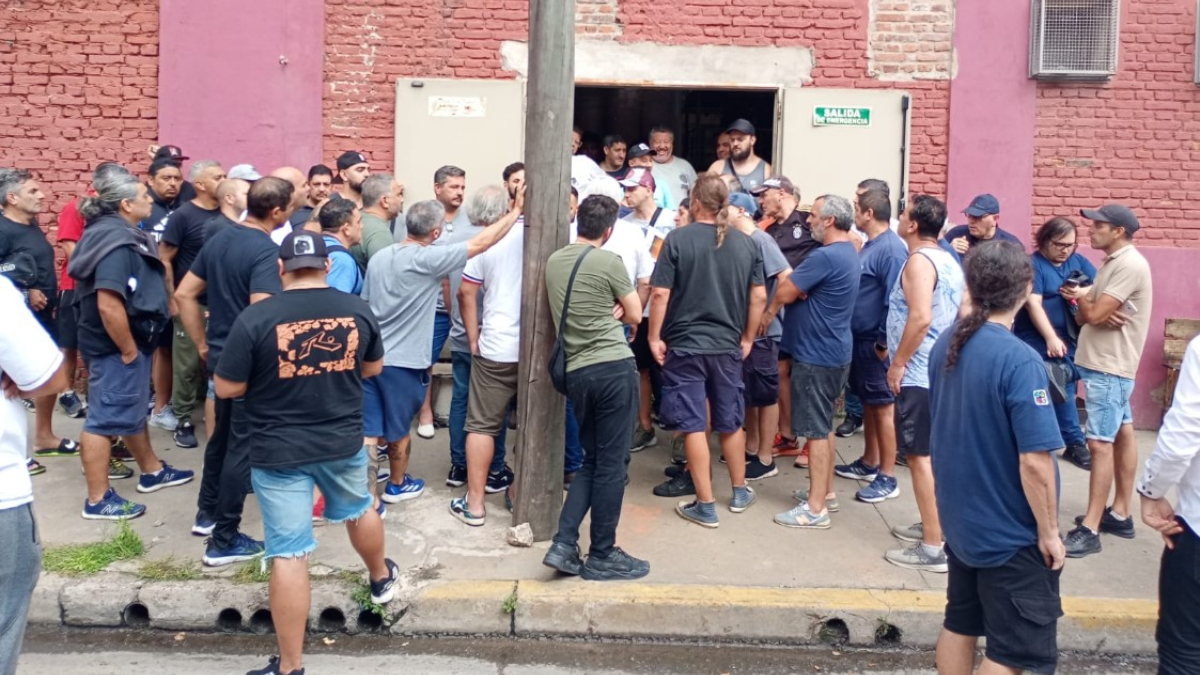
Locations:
{"points": [[550, 110]]}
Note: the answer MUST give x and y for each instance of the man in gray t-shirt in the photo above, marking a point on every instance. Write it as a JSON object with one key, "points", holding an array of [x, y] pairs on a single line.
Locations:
{"points": [[402, 286]]}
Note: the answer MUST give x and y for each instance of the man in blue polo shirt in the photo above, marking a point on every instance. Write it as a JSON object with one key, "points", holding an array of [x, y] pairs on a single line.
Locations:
{"points": [[983, 224], [823, 291]]}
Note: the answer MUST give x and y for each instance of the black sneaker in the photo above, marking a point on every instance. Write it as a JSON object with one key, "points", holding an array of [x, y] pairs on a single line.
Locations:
{"points": [[185, 435], [273, 669], [71, 405], [1110, 524], [674, 470], [498, 482], [756, 470], [1079, 455], [1082, 542], [565, 559], [618, 565], [850, 425], [678, 486], [457, 476], [118, 450], [384, 590], [749, 458]]}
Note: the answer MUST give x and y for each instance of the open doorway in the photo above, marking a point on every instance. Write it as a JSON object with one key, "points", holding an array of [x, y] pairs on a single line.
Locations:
{"points": [[697, 117]]}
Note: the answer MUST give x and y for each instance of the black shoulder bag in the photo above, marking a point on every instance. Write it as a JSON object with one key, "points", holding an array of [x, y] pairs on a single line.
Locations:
{"points": [[558, 354]]}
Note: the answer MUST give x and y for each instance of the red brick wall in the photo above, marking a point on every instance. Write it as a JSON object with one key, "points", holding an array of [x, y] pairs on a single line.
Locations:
{"points": [[1135, 139], [369, 45], [78, 84]]}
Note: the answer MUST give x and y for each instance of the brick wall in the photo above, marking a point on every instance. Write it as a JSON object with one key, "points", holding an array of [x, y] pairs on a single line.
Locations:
{"points": [[1135, 139], [369, 45], [78, 84]]}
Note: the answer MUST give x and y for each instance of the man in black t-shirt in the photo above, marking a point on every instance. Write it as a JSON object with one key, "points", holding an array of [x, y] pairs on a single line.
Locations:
{"points": [[179, 363], [299, 359], [235, 270], [24, 249]]}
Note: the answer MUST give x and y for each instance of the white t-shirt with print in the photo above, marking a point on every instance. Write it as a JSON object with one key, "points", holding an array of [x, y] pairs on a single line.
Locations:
{"points": [[499, 270], [30, 358], [630, 244]]}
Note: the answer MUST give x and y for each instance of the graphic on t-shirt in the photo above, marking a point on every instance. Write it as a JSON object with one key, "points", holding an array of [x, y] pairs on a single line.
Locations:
{"points": [[309, 348], [1040, 397]]}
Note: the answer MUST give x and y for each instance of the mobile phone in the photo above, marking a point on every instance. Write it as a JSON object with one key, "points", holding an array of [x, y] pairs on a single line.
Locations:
{"points": [[1073, 283], [1129, 308]]}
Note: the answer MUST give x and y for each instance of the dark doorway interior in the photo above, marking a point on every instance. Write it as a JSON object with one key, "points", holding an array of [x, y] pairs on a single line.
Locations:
{"points": [[697, 116]]}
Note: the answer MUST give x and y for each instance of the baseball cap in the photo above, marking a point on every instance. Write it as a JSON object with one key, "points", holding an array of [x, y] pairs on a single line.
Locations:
{"points": [[741, 125], [772, 183], [171, 152], [639, 175], [349, 159], [246, 172], [744, 202], [303, 249], [1115, 215], [983, 205], [639, 150], [160, 164]]}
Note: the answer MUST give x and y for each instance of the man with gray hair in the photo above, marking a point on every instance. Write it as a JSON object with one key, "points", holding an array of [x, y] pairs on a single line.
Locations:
{"points": [[822, 292], [383, 199], [402, 286], [183, 381]]}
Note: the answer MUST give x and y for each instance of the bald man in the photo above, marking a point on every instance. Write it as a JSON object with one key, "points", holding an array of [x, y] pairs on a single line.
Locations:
{"points": [[231, 202], [299, 197]]}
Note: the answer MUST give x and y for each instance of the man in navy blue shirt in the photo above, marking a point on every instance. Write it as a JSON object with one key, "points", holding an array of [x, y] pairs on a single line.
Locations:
{"points": [[882, 257], [993, 438], [983, 224], [822, 292]]}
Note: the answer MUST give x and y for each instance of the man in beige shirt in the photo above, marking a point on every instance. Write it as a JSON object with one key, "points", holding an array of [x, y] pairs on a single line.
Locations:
{"points": [[1114, 315]]}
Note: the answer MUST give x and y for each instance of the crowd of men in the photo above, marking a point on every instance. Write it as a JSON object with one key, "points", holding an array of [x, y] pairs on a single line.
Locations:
{"points": [[307, 320]]}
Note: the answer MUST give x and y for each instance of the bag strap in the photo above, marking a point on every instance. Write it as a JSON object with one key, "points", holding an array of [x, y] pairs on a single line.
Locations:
{"points": [[654, 218], [729, 165], [562, 319]]}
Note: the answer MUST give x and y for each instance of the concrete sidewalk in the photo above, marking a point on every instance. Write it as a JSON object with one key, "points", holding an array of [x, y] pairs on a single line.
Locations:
{"points": [[749, 580]]}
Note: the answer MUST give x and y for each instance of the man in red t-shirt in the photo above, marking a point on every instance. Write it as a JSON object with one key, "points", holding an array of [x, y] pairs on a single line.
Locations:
{"points": [[70, 229]]}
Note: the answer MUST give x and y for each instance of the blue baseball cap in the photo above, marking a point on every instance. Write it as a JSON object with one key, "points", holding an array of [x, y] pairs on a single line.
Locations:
{"points": [[983, 205], [744, 202]]}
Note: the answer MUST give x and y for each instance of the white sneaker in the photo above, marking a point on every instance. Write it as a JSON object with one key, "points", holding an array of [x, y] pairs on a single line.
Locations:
{"points": [[426, 430], [165, 418]]}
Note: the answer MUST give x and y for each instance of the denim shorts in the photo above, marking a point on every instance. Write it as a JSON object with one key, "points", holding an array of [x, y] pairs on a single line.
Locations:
{"points": [[760, 372], [692, 380], [868, 375], [118, 395], [390, 401], [1107, 404], [212, 390], [285, 498], [815, 390]]}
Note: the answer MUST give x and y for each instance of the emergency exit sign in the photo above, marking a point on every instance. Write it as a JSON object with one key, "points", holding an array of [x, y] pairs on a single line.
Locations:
{"points": [[833, 116]]}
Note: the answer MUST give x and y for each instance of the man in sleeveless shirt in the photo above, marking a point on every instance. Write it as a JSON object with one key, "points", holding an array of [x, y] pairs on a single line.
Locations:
{"points": [[749, 169]]}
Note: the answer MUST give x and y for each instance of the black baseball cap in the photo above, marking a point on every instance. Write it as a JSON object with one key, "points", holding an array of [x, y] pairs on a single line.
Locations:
{"points": [[1115, 215], [349, 159], [741, 125], [170, 152], [639, 150], [303, 249], [983, 205]]}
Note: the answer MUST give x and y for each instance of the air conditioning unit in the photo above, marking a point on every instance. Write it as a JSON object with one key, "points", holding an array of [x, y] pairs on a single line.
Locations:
{"points": [[1074, 39]]}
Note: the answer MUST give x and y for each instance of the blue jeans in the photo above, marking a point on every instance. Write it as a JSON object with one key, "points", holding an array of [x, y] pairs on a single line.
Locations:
{"points": [[441, 333], [1068, 415], [461, 363], [574, 448], [854, 405]]}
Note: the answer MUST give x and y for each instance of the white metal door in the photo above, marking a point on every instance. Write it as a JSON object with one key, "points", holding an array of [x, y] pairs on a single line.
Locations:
{"points": [[476, 125], [860, 134]]}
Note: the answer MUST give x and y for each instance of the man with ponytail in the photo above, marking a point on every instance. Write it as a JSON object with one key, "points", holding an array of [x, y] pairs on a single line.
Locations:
{"points": [[123, 310], [923, 304], [705, 311], [994, 436]]}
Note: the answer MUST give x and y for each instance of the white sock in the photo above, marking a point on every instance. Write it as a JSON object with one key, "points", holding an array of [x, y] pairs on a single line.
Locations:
{"points": [[931, 550]]}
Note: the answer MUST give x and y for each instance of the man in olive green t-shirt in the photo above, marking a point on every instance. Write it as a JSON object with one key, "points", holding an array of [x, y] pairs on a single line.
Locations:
{"points": [[602, 383], [1114, 315], [383, 198]]}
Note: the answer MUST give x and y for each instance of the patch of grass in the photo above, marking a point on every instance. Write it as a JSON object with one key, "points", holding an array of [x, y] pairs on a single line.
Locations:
{"points": [[169, 569], [252, 572], [77, 560], [510, 603], [362, 595]]}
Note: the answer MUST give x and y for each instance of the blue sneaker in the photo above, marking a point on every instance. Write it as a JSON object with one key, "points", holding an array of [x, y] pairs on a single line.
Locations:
{"points": [[166, 477], [883, 487], [699, 513], [112, 507], [203, 526], [857, 470], [382, 510], [743, 497], [384, 590], [411, 488], [458, 509], [801, 517], [244, 548]]}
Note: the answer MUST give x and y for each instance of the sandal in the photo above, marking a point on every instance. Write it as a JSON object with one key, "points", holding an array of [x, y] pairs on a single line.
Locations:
{"points": [[35, 467], [66, 448]]}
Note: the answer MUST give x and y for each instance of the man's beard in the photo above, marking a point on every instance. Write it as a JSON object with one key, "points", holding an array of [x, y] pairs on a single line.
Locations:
{"points": [[355, 188], [741, 156]]}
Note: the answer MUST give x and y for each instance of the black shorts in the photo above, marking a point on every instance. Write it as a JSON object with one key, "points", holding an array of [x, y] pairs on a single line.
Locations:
{"points": [[815, 390], [68, 320], [868, 375], [913, 421], [641, 346], [698, 388], [48, 322], [166, 339], [1178, 631], [1016, 606], [760, 372]]}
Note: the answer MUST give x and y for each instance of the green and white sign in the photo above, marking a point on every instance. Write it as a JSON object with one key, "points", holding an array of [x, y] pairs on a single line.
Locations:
{"points": [[834, 116]]}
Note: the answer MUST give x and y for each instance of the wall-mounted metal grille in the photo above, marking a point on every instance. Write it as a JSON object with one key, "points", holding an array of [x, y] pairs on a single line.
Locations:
{"points": [[1074, 39]]}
